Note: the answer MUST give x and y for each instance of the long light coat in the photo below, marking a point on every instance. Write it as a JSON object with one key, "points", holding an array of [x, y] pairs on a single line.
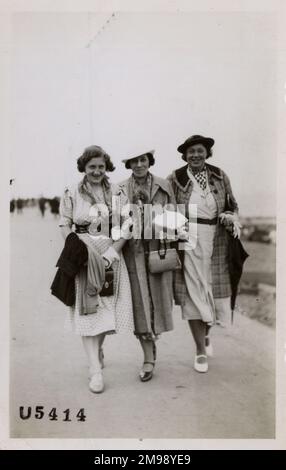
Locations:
{"points": [[152, 294]]}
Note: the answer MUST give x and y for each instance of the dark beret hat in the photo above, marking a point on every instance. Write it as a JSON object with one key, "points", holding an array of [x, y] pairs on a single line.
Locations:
{"points": [[196, 139]]}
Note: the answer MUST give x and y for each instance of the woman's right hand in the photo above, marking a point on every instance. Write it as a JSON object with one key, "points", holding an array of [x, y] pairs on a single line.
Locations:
{"points": [[231, 223], [110, 255]]}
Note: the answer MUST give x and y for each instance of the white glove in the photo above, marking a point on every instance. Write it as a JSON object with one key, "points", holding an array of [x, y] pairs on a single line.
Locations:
{"points": [[125, 229], [123, 232], [115, 233], [231, 222], [111, 255], [183, 233], [236, 229], [227, 218]]}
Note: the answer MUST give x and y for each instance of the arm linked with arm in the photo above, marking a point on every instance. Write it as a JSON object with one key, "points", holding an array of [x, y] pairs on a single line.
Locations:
{"points": [[113, 251]]}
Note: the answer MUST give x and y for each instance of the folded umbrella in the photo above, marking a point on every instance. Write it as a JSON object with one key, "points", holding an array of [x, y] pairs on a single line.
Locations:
{"points": [[236, 258]]}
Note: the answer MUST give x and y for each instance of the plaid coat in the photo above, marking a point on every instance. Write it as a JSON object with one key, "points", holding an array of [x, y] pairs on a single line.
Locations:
{"points": [[220, 187]]}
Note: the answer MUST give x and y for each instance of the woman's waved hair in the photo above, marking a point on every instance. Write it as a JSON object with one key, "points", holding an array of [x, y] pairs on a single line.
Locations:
{"points": [[94, 151]]}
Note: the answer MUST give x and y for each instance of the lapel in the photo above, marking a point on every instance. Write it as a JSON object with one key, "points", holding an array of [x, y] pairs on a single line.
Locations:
{"points": [[214, 171], [154, 188], [162, 184], [157, 183], [215, 178], [182, 179]]}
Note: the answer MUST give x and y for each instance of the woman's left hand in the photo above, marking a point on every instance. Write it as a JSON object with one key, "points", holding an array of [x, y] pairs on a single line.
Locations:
{"points": [[183, 233]]}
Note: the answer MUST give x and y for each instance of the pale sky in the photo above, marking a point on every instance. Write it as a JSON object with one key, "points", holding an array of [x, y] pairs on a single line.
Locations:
{"points": [[146, 81]]}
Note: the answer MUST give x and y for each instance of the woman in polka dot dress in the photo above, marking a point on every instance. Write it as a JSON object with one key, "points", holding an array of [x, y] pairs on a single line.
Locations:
{"points": [[88, 206]]}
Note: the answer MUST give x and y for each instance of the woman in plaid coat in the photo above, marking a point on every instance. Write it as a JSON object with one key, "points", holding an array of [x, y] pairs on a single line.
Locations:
{"points": [[203, 287]]}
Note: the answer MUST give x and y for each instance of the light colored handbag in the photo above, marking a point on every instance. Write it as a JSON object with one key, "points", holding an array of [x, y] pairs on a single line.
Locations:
{"points": [[163, 259]]}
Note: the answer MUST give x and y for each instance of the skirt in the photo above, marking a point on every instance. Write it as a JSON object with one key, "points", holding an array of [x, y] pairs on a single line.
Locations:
{"points": [[114, 313], [199, 303]]}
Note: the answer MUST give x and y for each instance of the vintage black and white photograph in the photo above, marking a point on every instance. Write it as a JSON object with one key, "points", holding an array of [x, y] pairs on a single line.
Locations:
{"points": [[143, 218]]}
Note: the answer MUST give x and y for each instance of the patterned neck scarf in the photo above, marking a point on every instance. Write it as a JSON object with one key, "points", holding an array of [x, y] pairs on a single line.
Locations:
{"points": [[87, 194], [141, 191], [114, 214], [200, 176], [140, 194]]}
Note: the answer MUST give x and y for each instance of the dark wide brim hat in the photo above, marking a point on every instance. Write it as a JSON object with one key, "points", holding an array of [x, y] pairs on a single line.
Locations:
{"points": [[208, 142], [149, 153]]}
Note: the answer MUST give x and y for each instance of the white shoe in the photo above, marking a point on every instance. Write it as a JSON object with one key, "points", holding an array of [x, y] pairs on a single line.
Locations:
{"points": [[96, 384], [201, 366], [209, 348]]}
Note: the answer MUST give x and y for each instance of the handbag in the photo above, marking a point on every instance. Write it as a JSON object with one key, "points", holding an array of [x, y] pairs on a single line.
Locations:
{"points": [[108, 286], [163, 259]]}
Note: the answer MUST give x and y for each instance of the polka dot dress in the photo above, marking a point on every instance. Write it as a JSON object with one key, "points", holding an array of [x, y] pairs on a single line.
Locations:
{"points": [[114, 313]]}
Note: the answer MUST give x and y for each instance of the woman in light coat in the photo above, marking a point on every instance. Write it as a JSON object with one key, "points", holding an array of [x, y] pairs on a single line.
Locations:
{"points": [[151, 293]]}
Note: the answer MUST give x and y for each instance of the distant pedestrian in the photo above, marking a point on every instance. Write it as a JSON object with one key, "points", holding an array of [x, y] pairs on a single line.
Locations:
{"points": [[19, 205], [12, 206], [55, 205], [42, 206]]}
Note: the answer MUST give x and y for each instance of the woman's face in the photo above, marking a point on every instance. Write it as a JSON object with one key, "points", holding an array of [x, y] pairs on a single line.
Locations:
{"points": [[196, 156], [95, 170], [140, 166]]}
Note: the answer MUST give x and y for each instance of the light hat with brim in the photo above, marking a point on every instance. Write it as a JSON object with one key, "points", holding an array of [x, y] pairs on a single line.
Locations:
{"points": [[149, 153]]}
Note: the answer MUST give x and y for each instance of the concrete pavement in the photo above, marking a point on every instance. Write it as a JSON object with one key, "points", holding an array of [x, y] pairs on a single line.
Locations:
{"points": [[235, 399]]}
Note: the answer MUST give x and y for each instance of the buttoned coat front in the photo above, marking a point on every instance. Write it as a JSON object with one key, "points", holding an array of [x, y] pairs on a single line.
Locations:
{"points": [[221, 189]]}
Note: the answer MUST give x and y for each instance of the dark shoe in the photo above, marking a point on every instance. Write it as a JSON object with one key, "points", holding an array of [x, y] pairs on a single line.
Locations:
{"points": [[145, 376]]}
